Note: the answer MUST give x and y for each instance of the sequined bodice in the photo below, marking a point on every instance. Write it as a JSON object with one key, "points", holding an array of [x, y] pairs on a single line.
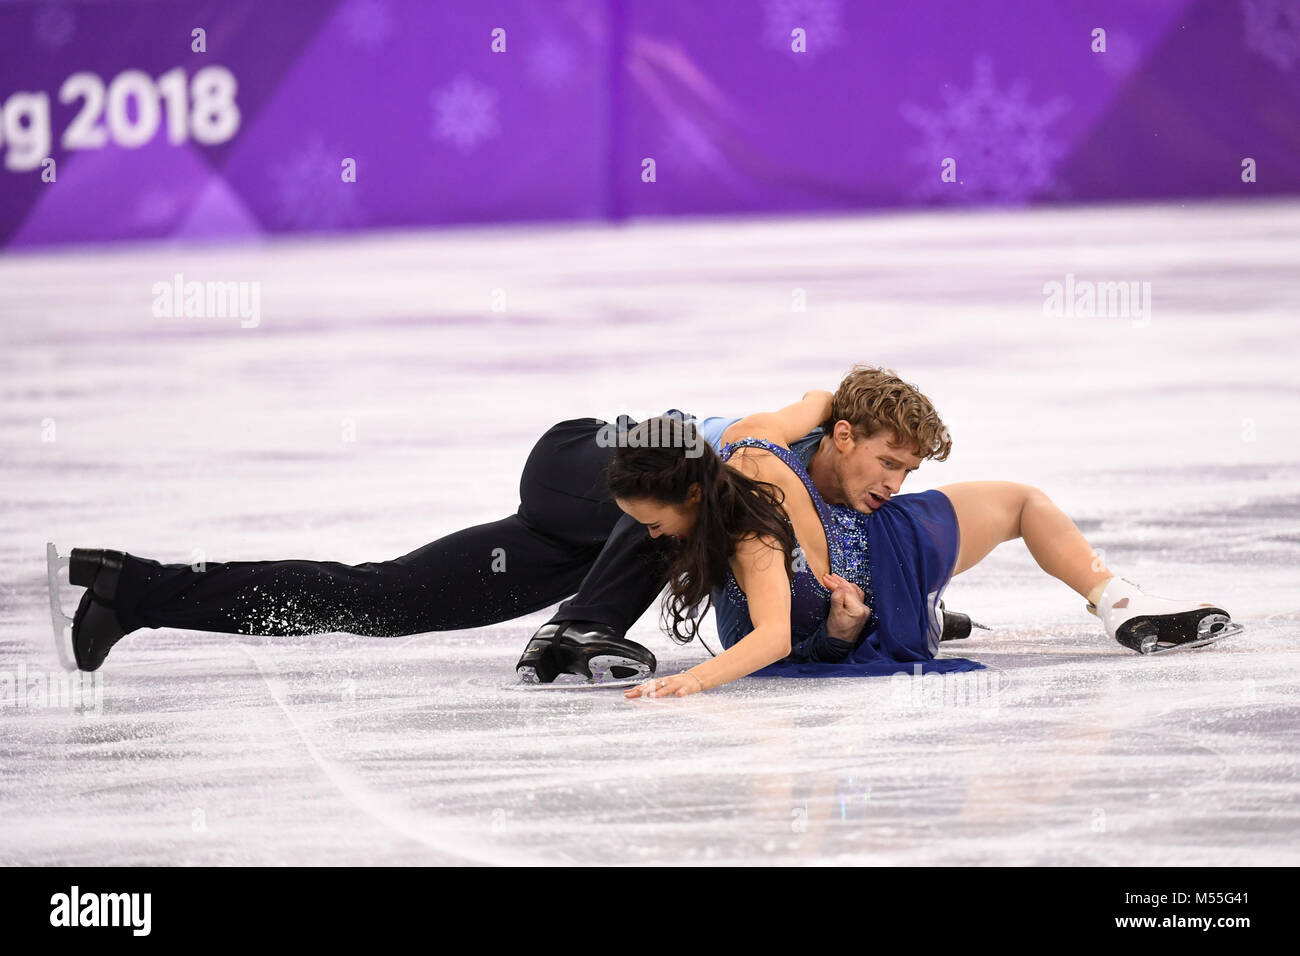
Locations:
{"points": [[846, 545]]}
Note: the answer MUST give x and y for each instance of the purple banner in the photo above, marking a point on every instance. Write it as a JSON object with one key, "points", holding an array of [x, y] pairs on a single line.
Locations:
{"points": [[158, 119]]}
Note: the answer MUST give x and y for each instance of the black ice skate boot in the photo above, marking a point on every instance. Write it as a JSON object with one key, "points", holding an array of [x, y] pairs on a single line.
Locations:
{"points": [[956, 626], [95, 627], [596, 652], [538, 664], [585, 648], [1153, 625]]}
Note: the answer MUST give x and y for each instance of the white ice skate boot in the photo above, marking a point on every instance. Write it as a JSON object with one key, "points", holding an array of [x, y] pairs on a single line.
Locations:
{"points": [[1151, 625]]}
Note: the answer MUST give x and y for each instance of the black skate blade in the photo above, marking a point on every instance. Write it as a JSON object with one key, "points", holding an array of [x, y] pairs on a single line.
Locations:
{"points": [[61, 621], [1176, 632]]}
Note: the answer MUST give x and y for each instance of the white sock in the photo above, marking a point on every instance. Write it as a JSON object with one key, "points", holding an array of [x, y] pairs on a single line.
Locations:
{"points": [[1117, 593], [1095, 594]]}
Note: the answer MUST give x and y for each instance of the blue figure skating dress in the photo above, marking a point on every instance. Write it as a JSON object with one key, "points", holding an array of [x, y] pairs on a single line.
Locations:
{"points": [[902, 556]]}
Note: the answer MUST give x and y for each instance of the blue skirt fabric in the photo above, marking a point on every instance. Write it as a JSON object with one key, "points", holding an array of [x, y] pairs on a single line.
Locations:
{"points": [[913, 542]]}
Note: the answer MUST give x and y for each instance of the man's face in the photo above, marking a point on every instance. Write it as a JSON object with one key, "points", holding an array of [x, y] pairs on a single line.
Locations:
{"points": [[870, 470]]}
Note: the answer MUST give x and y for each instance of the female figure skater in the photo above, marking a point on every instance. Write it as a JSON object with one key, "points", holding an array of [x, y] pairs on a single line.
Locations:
{"points": [[801, 586]]}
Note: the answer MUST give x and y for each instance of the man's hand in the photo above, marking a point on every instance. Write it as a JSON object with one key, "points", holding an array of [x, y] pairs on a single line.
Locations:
{"points": [[849, 611]]}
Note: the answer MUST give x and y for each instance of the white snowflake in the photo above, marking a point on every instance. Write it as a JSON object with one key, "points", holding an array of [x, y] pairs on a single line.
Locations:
{"points": [[310, 192], [821, 21], [1273, 30], [551, 62], [1002, 144], [465, 113], [369, 23], [54, 25]]}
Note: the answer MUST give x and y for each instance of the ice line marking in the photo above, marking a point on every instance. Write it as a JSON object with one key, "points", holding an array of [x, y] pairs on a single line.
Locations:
{"points": [[384, 810]]}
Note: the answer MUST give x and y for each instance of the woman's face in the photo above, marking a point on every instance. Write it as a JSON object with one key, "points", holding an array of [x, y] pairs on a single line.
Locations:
{"points": [[661, 517]]}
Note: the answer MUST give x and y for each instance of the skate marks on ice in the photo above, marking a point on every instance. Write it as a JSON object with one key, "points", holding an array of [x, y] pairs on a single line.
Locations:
{"points": [[449, 840], [1083, 755], [1249, 526], [229, 440], [1061, 766]]}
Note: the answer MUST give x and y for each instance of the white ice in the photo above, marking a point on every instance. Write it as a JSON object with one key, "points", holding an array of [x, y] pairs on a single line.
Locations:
{"points": [[1173, 442]]}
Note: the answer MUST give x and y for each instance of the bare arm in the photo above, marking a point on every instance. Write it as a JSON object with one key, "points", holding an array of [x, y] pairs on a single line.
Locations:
{"points": [[760, 571], [759, 566], [786, 424]]}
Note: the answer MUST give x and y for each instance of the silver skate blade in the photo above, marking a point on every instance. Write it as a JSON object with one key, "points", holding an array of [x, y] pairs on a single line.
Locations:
{"points": [[614, 668], [602, 675], [1209, 630], [61, 621], [575, 682]]}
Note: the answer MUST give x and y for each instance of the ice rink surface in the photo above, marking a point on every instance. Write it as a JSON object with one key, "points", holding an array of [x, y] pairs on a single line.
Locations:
{"points": [[381, 402]]}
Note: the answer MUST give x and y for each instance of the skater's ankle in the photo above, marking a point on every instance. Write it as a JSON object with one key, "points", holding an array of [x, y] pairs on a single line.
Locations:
{"points": [[1095, 594]]}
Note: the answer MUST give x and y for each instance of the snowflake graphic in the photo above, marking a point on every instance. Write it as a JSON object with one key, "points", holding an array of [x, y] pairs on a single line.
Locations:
{"points": [[54, 25], [1004, 149], [310, 192], [551, 62], [466, 113], [821, 20], [368, 23], [1273, 30]]}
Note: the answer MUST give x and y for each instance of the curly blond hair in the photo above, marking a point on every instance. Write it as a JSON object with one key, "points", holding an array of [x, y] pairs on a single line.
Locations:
{"points": [[873, 399]]}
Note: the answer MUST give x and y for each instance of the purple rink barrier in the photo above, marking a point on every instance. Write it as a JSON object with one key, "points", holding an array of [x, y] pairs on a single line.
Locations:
{"points": [[156, 119]]}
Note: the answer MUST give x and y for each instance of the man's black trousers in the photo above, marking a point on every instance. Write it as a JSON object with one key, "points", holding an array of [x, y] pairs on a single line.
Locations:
{"points": [[567, 536]]}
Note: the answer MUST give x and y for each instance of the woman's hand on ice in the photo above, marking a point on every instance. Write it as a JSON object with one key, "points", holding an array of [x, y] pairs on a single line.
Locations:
{"points": [[679, 685]]}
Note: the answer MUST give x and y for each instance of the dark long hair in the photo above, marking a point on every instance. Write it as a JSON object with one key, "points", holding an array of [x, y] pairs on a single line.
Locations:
{"points": [[659, 460]]}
